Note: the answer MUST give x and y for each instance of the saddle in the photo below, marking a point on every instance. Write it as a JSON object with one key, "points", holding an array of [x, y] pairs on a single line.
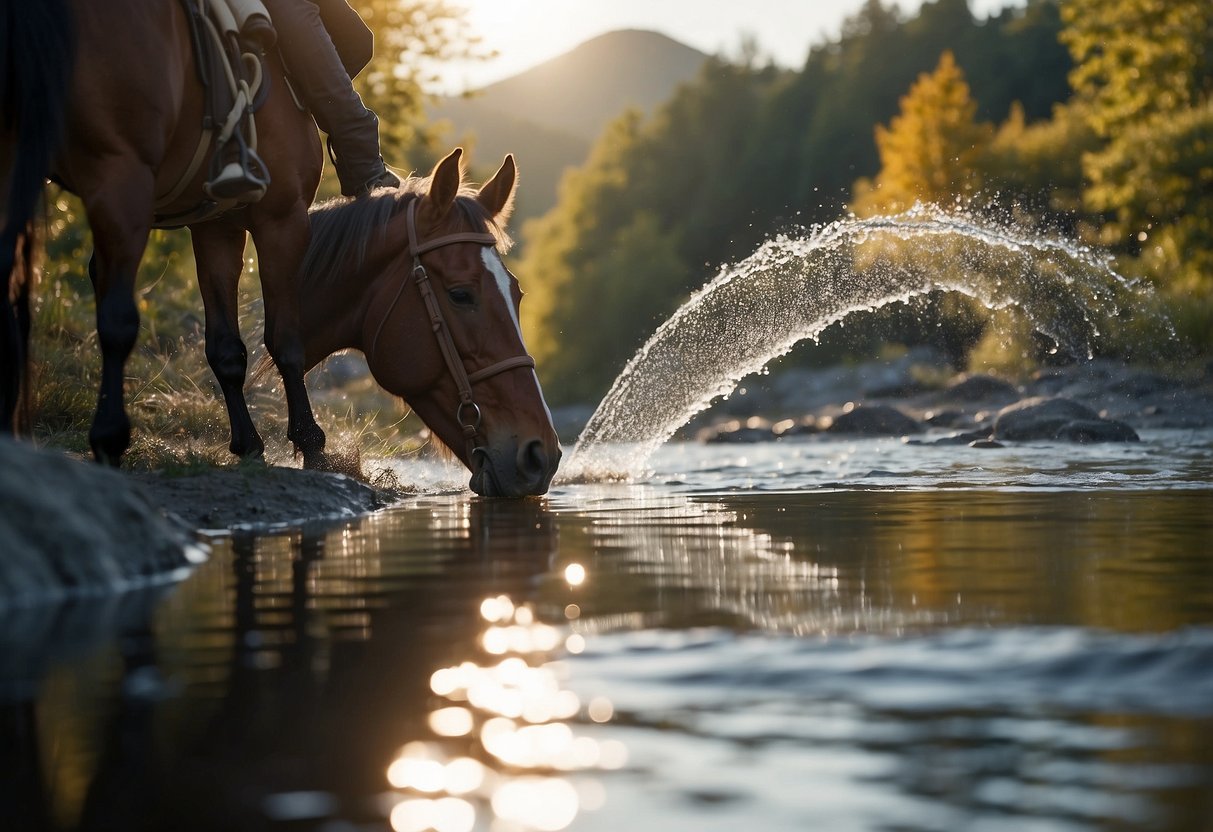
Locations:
{"points": [[236, 83]]}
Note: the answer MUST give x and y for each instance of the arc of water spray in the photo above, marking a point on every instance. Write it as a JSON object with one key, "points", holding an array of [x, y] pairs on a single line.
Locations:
{"points": [[794, 287]]}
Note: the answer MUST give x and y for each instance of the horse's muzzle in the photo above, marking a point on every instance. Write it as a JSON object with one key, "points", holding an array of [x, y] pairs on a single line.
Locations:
{"points": [[512, 470]]}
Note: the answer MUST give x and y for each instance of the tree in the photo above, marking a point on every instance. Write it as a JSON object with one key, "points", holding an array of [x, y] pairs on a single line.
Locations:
{"points": [[1139, 65], [1143, 78], [413, 40], [746, 152], [930, 150], [1034, 171]]}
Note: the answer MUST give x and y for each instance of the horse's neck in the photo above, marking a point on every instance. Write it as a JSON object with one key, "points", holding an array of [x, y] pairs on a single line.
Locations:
{"points": [[334, 312]]}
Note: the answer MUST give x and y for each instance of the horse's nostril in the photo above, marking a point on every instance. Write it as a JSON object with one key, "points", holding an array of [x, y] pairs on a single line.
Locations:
{"points": [[532, 459]]}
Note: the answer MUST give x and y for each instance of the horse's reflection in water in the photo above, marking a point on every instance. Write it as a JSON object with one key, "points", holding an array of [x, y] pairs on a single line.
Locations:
{"points": [[126, 769], [323, 681]]}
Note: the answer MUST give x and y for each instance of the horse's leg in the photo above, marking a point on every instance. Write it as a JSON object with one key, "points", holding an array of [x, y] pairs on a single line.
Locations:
{"points": [[219, 256], [14, 333], [281, 241], [120, 221]]}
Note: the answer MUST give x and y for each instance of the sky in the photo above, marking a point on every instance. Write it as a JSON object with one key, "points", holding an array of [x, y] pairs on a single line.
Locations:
{"points": [[529, 32]]}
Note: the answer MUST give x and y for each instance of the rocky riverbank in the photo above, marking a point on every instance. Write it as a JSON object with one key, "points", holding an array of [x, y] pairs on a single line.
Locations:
{"points": [[71, 528], [914, 396]]}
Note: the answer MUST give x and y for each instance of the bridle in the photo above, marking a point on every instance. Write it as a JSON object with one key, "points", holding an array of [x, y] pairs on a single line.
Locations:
{"points": [[467, 412]]}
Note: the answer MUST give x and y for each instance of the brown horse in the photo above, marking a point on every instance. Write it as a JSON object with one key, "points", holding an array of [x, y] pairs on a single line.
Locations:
{"points": [[412, 278], [133, 112]]}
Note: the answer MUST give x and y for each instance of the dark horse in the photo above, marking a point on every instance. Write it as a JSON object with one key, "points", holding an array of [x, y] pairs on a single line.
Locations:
{"points": [[31, 86], [132, 112]]}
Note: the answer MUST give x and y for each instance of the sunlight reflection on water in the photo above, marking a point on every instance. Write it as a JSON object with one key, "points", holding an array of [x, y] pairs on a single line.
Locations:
{"points": [[517, 712], [680, 652]]}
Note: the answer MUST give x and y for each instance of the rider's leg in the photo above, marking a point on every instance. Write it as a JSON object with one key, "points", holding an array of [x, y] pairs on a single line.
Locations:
{"points": [[312, 60]]}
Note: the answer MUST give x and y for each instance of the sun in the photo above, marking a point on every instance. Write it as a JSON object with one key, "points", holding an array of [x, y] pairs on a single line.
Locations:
{"points": [[522, 35]]}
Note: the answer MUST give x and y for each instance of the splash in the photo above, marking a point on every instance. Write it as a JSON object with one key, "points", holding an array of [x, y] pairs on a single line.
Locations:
{"points": [[793, 287]]}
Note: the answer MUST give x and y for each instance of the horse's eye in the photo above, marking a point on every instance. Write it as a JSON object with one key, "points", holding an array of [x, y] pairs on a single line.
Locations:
{"points": [[460, 297]]}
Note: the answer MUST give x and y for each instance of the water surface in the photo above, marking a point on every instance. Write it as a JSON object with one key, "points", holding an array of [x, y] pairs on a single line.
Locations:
{"points": [[823, 634]]}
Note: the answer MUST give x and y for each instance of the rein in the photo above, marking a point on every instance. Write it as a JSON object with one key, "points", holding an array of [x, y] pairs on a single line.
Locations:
{"points": [[450, 353]]}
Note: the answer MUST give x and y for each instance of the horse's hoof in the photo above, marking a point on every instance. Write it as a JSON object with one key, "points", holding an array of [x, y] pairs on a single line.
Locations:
{"points": [[103, 456], [317, 461], [109, 460], [253, 454]]}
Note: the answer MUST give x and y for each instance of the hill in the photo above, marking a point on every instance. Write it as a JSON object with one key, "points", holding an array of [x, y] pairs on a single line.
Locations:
{"points": [[549, 115]]}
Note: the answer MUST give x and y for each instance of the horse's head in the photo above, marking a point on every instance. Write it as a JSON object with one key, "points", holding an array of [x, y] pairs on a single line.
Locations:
{"points": [[446, 336]]}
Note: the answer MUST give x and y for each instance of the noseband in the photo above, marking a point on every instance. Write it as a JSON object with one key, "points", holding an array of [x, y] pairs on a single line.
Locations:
{"points": [[467, 413]]}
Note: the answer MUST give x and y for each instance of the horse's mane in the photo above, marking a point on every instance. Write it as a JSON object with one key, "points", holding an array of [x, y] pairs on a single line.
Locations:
{"points": [[343, 229]]}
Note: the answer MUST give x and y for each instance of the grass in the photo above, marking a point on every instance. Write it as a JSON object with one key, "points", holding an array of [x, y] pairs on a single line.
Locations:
{"points": [[178, 418]]}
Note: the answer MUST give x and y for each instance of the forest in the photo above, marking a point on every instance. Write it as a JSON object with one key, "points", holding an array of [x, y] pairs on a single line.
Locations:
{"points": [[1088, 119]]}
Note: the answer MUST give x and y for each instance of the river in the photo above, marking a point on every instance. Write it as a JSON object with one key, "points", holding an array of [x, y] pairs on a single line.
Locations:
{"points": [[809, 634]]}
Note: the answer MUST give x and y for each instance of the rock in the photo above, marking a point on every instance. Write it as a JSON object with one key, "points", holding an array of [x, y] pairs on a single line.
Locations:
{"points": [[986, 443], [895, 390], [1098, 430], [874, 420], [1039, 418], [71, 528], [1058, 419], [966, 438], [979, 387], [944, 418]]}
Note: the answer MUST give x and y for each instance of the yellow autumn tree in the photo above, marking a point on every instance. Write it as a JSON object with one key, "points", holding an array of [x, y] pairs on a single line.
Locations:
{"points": [[931, 150], [1143, 79]]}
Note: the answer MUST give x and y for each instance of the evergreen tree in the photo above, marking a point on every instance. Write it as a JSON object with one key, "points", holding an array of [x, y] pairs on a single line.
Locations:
{"points": [[930, 150]]}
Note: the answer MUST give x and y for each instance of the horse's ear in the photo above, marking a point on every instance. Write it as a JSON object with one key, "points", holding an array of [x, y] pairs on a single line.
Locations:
{"points": [[444, 186], [497, 195]]}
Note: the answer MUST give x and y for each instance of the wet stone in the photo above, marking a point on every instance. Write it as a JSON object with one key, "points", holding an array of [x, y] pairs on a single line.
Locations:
{"points": [[980, 387], [1098, 430], [1058, 419], [966, 438], [1039, 418], [874, 420], [944, 418]]}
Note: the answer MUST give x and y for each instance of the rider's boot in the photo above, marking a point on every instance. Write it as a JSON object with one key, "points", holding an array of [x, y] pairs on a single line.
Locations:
{"points": [[353, 130], [242, 176]]}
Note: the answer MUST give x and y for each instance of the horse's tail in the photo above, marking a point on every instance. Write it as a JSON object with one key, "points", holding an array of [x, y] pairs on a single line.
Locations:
{"points": [[37, 48]]}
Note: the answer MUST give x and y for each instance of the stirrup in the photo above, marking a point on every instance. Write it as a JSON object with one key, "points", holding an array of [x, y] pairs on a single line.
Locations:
{"points": [[234, 182]]}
